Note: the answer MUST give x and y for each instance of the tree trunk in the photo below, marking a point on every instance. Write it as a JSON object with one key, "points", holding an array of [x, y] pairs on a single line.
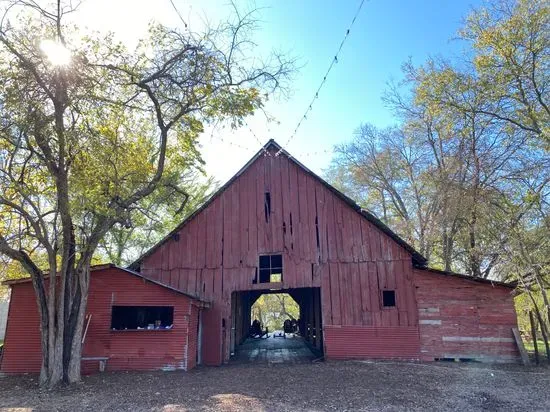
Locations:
{"points": [[73, 346], [62, 325]]}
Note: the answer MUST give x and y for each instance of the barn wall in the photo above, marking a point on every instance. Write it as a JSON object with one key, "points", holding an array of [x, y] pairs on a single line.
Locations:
{"points": [[460, 318], [126, 350], [324, 243]]}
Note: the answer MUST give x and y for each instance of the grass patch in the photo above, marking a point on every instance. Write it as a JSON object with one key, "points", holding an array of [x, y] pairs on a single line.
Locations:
{"points": [[530, 346]]}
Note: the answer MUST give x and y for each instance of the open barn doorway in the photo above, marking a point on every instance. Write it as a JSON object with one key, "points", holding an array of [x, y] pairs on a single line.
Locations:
{"points": [[276, 326]]}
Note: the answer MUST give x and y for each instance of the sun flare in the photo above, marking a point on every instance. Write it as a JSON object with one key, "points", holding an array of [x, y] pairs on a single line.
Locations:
{"points": [[57, 53]]}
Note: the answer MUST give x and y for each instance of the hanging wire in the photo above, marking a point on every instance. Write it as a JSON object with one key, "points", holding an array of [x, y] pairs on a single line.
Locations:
{"points": [[309, 108], [316, 95], [315, 153], [178, 13], [257, 139], [248, 149]]}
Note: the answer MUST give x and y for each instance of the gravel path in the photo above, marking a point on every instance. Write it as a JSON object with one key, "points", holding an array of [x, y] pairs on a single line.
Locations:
{"points": [[316, 386]]}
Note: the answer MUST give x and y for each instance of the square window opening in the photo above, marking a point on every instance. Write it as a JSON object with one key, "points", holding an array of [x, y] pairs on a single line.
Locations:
{"points": [[275, 277], [271, 269], [388, 298], [142, 317]]}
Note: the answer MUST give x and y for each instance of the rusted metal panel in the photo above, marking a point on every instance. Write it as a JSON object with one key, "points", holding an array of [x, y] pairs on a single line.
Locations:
{"points": [[125, 350]]}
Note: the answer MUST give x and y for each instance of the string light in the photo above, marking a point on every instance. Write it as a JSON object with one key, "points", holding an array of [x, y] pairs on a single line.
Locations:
{"points": [[316, 95], [257, 139], [266, 153], [248, 149], [317, 152]]}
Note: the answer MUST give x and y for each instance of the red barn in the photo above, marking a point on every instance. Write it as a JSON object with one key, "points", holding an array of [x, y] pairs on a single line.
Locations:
{"points": [[275, 227]]}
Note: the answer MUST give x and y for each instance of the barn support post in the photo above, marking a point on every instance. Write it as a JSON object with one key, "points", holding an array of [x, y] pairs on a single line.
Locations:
{"points": [[234, 322], [318, 326]]}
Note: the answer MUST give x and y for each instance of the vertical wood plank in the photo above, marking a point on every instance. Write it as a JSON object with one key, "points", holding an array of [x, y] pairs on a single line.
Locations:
{"points": [[236, 253], [331, 228], [335, 293], [289, 271], [286, 199], [374, 293], [347, 232], [322, 222], [243, 231], [392, 267], [303, 231], [268, 189], [355, 223], [276, 204], [381, 270], [252, 217], [339, 229], [345, 293], [325, 294], [366, 253], [411, 294], [294, 217], [356, 294], [365, 294], [311, 215], [201, 220], [227, 226], [374, 241], [182, 280], [260, 216]]}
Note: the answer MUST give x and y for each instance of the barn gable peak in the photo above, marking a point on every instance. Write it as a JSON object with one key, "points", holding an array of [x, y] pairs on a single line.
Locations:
{"points": [[272, 148]]}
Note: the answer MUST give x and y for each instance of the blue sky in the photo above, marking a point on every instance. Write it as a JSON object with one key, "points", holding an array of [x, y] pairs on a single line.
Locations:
{"points": [[386, 33]]}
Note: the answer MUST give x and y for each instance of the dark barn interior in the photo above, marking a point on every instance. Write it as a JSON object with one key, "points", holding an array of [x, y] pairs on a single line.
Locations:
{"points": [[306, 344]]}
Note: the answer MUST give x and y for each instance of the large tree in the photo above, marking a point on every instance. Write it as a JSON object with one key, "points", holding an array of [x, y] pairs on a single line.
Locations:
{"points": [[154, 217], [468, 162], [89, 129]]}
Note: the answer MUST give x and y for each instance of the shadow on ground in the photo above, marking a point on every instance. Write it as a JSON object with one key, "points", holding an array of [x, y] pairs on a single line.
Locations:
{"points": [[293, 387]]}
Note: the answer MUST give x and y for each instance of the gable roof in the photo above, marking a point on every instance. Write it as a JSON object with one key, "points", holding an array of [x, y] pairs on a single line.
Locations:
{"points": [[509, 285], [417, 258], [97, 268]]}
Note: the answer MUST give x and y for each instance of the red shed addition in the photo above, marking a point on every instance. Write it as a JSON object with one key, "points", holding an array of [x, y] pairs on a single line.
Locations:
{"points": [[132, 323]]}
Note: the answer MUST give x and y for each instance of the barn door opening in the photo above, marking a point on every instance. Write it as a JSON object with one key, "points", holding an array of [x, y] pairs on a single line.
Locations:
{"points": [[276, 326]]}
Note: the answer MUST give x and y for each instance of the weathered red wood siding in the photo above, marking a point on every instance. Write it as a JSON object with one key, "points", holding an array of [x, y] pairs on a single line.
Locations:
{"points": [[126, 350], [353, 260], [461, 318]]}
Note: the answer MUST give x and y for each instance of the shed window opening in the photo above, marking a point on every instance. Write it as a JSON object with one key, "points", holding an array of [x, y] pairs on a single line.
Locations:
{"points": [[271, 269], [142, 317], [388, 298]]}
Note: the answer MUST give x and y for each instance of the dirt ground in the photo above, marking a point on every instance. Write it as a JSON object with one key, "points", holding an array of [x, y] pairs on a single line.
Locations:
{"points": [[312, 386]]}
